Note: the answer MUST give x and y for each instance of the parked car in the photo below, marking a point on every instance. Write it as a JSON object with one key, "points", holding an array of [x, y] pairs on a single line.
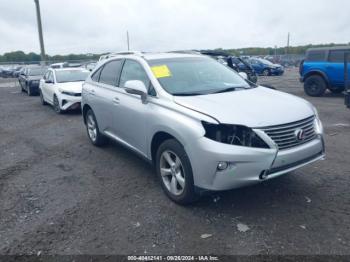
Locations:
{"points": [[17, 71], [29, 79], [236, 63], [202, 125], [322, 69], [90, 66], [7, 72], [61, 88], [346, 78], [265, 67], [59, 65]]}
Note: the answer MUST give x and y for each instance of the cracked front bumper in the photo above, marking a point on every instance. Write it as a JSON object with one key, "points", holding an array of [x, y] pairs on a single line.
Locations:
{"points": [[246, 164]]}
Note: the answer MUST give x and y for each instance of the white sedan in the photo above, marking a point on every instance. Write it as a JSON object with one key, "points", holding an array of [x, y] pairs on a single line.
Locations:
{"points": [[61, 88]]}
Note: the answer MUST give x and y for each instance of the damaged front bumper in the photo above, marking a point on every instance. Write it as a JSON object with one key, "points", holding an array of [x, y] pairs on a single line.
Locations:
{"points": [[246, 165]]}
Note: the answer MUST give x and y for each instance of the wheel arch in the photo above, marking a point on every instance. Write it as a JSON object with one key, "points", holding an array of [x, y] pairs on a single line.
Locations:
{"points": [[157, 139], [319, 73], [86, 107]]}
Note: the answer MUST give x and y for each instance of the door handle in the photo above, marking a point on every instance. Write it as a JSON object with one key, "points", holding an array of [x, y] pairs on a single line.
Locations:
{"points": [[116, 100], [92, 92]]}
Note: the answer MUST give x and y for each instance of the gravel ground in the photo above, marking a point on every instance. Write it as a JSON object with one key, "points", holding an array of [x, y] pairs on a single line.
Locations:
{"points": [[61, 195]]}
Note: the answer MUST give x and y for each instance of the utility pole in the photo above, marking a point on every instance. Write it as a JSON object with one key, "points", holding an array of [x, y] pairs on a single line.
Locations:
{"points": [[275, 54], [127, 39], [287, 50], [40, 30]]}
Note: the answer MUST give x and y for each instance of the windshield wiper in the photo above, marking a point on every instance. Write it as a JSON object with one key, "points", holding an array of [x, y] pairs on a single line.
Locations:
{"points": [[228, 89], [188, 94]]}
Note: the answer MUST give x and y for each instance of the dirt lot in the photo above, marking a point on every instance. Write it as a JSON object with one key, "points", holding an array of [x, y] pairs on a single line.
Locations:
{"points": [[61, 195]]}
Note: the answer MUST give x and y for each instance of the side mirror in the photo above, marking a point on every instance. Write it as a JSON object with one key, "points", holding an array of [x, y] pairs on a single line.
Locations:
{"points": [[136, 87], [244, 75]]}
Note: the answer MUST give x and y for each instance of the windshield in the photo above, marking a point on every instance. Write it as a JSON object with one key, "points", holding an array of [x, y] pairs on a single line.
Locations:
{"points": [[71, 76], [36, 71], [195, 76]]}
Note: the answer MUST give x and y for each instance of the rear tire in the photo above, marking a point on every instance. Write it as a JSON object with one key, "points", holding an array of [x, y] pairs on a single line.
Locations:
{"points": [[315, 85], [93, 131], [175, 172]]}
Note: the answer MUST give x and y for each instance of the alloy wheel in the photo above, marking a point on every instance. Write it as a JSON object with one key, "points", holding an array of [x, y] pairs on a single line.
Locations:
{"points": [[172, 172], [91, 126]]}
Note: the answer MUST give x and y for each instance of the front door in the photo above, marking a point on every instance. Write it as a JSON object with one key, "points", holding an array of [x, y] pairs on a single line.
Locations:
{"points": [[131, 114]]}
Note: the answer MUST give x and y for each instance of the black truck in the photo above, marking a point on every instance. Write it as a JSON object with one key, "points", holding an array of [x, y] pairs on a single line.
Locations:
{"points": [[29, 79]]}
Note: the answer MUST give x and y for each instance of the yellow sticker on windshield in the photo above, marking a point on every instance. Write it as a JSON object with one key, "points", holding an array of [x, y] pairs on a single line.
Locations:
{"points": [[161, 71]]}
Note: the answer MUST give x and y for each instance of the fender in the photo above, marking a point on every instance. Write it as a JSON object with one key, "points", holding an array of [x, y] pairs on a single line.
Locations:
{"points": [[316, 72]]}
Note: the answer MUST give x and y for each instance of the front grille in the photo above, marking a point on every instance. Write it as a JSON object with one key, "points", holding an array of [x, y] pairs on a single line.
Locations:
{"points": [[284, 135]]}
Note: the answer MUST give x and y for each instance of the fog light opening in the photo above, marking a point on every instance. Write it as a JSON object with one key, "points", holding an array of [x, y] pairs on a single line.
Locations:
{"points": [[222, 166], [263, 174]]}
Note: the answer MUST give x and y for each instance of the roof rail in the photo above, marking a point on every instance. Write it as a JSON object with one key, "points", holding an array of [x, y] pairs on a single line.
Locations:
{"points": [[195, 52], [102, 57]]}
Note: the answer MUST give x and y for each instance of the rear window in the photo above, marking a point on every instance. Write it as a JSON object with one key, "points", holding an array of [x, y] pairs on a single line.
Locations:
{"points": [[110, 72], [319, 55], [336, 56]]}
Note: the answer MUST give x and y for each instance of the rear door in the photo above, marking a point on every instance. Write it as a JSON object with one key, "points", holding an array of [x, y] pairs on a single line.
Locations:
{"points": [[335, 68], [103, 93]]}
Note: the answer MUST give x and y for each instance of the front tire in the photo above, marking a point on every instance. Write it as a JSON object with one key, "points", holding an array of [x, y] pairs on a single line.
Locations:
{"points": [[94, 134], [315, 85], [56, 105], [175, 172], [266, 72]]}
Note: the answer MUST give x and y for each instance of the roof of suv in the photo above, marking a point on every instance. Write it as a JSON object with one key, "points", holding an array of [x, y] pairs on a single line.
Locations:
{"points": [[328, 48], [154, 56]]}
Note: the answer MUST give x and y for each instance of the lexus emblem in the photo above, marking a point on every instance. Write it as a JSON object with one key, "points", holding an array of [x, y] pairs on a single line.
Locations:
{"points": [[299, 134]]}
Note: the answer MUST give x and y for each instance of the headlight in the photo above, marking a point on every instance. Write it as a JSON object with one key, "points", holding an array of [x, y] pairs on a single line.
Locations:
{"points": [[233, 135], [66, 92], [318, 126], [315, 111], [317, 122]]}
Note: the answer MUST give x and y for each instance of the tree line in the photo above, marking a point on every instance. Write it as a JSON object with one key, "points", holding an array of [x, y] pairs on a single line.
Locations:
{"points": [[20, 56]]}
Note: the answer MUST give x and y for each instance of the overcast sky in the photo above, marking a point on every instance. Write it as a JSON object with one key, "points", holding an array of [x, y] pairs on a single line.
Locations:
{"points": [[96, 26]]}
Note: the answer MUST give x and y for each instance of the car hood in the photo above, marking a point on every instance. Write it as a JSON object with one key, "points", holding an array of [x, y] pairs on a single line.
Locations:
{"points": [[255, 107], [74, 87], [277, 65]]}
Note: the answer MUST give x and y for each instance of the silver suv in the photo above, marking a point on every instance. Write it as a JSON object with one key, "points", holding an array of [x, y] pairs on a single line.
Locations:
{"points": [[201, 124]]}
